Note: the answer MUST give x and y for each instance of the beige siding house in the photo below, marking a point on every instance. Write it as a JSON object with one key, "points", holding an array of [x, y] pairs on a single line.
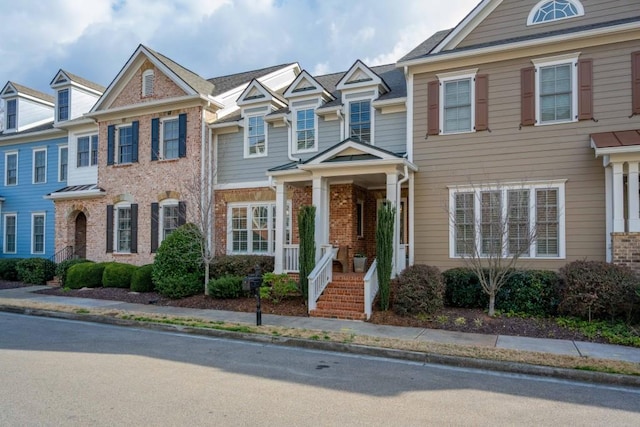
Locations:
{"points": [[506, 109]]}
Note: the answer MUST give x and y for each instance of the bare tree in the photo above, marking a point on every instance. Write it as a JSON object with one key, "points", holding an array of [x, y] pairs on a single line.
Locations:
{"points": [[494, 227]]}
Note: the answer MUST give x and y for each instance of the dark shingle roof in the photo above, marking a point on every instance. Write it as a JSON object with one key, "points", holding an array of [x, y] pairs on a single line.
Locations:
{"points": [[225, 83], [85, 82], [426, 46], [32, 92], [39, 128]]}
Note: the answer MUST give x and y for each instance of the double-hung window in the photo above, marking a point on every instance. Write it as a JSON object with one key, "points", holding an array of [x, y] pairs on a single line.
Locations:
{"points": [[63, 105], [125, 144], [170, 139], [251, 228], [87, 151], [12, 114], [170, 219], [10, 233], [305, 130], [11, 169], [256, 139], [63, 164], [37, 233], [360, 120], [39, 166], [457, 106], [503, 221], [123, 229]]}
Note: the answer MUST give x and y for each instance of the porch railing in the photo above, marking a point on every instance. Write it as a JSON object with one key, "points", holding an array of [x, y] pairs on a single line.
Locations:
{"points": [[370, 288], [291, 258], [402, 257], [321, 276], [62, 255]]}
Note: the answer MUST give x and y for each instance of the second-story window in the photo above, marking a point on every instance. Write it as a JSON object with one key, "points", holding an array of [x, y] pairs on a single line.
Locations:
{"points": [[11, 165], [11, 114], [360, 120], [457, 106], [63, 105], [555, 93], [39, 166], [125, 144], [122, 144], [256, 144], [63, 163], [170, 139], [305, 130], [87, 151]]}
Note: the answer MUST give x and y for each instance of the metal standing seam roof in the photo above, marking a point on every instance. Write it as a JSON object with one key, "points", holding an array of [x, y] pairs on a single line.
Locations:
{"points": [[614, 139], [77, 188], [39, 128]]}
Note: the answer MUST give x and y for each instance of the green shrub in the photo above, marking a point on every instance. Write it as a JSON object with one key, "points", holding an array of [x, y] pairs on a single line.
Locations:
{"points": [[85, 275], [9, 269], [226, 287], [533, 292], [239, 265], [420, 291], [118, 275], [177, 269], [277, 287], [463, 289], [597, 290], [63, 267], [35, 270], [141, 280]]}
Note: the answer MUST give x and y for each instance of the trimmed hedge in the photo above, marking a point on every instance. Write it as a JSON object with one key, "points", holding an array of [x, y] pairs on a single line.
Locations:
{"points": [[117, 275], [226, 287], [597, 290], [178, 271], [141, 280], [63, 267], [420, 290], [85, 275], [239, 265], [534, 292], [9, 269], [35, 270]]}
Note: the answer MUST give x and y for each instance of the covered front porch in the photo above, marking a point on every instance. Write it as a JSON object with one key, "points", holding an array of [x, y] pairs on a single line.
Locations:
{"points": [[347, 185]]}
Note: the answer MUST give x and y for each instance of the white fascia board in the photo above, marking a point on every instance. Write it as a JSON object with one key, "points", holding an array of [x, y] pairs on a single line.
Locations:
{"points": [[468, 24], [392, 101], [146, 105], [87, 194], [241, 185], [77, 122], [32, 137]]}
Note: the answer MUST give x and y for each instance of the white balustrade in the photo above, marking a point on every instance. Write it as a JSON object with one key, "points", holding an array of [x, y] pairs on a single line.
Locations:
{"points": [[370, 288], [291, 258]]}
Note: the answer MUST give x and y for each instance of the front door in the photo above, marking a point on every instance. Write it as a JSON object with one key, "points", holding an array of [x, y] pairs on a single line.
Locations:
{"points": [[80, 247]]}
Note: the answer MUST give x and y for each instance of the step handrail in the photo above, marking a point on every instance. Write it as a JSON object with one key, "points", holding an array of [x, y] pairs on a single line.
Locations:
{"points": [[320, 277], [370, 288]]}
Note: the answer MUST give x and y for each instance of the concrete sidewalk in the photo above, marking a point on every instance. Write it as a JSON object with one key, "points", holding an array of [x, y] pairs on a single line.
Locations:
{"points": [[542, 345]]}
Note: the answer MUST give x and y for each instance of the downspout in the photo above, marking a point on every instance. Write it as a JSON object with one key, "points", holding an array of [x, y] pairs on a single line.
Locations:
{"points": [[341, 118], [290, 148]]}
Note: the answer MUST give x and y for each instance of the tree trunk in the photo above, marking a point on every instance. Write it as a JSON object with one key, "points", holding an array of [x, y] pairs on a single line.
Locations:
{"points": [[206, 278], [492, 303]]}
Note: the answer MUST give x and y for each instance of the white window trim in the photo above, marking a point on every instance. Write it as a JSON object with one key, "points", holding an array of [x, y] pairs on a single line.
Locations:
{"points": [[161, 206], [44, 233], [6, 115], [454, 76], [161, 154], [33, 164], [294, 137], [504, 188], [538, 5], [571, 58], [145, 78], [68, 104], [247, 155], [372, 111], [60, 148], [270, 221], [116, 145], [116, 220], [89, 135], [4, 233], [6, 170]]}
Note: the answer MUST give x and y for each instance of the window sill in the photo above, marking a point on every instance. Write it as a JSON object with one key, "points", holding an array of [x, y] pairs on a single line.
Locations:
{"points": [[168, 160], [122, 165]]}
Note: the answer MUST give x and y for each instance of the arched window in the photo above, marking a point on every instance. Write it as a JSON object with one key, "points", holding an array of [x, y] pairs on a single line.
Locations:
{"points": [[553, 10], [147, 83]]}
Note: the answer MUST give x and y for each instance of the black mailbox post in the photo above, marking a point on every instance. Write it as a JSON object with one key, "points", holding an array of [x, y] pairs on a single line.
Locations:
{"points": [[252, 283]]}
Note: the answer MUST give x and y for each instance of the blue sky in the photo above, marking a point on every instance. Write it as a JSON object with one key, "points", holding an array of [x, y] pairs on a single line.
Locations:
{"points": [[94, 38]]}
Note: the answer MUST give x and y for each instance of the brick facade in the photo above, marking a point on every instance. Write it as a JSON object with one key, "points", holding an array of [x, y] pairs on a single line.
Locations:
{"points": [[626, 250]]}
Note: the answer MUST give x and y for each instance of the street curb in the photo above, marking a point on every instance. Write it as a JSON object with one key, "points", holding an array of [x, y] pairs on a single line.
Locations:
{"points": [[357, 349]]}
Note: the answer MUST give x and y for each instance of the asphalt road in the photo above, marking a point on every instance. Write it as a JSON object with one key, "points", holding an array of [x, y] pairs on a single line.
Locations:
{"points": [[59, 372]]}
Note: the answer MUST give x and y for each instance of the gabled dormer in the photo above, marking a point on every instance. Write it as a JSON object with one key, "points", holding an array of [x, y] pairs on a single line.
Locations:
{"points": [[255, 102], [74, 95], [25, 108]]}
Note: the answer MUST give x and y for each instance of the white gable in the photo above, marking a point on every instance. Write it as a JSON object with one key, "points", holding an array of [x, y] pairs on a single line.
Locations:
{"points": [[255, 93], [361, 76]]}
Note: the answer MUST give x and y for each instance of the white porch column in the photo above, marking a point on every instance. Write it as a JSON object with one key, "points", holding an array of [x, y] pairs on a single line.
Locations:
{"points": [[411, 231], [633, 197], [618, 198], [320, 199], [392, 197], [281, 225], [608, 199]]}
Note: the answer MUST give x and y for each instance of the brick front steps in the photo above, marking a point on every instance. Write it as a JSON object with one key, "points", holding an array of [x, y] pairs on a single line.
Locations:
{"points": [[343, 298]]}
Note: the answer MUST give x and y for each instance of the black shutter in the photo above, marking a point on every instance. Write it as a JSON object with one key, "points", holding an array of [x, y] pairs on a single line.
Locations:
{"points": [[111, 136], [182, 135], [134, 228], [154, 227], [109, 228], [155, 138], [134, 142], [182, 213]]}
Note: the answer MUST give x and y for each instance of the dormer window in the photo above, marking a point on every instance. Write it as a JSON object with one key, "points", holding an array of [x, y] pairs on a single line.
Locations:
{"points": [[11, 114], [147, 83], [554, 10], [63, 105], [360, 120]]}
